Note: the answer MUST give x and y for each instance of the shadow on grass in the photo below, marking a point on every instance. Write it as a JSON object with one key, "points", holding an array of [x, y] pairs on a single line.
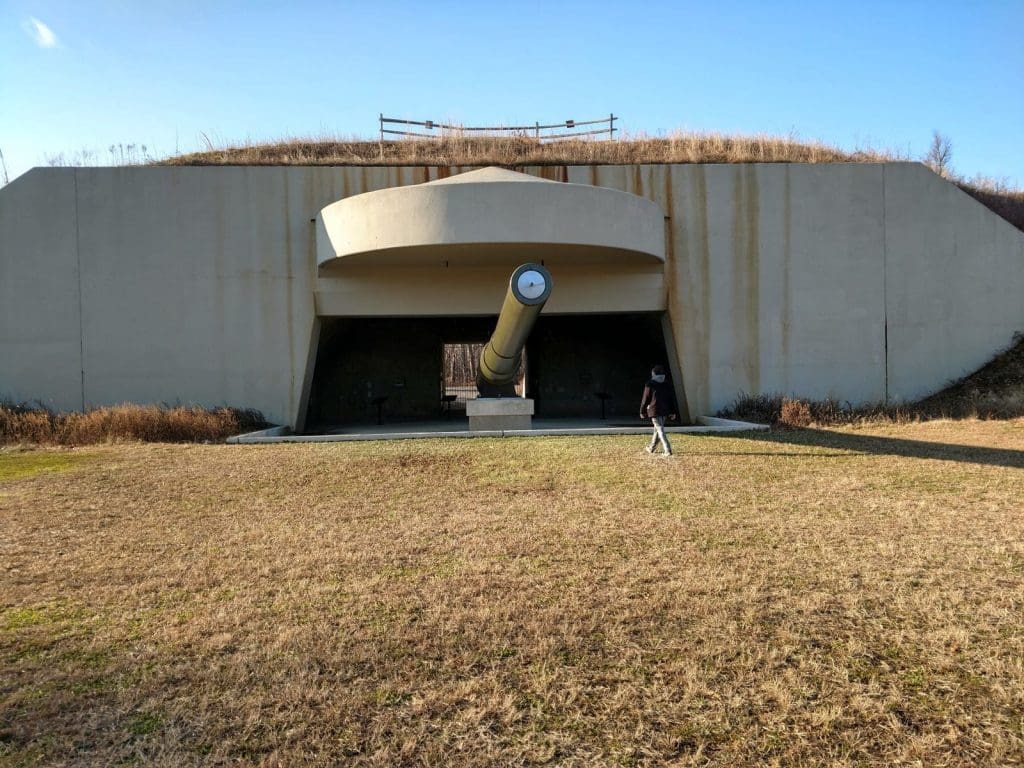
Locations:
{"points": [[884, 446]]}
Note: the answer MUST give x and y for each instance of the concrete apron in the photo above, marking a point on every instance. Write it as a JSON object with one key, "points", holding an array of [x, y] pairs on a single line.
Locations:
{"points": [[706, 424]]}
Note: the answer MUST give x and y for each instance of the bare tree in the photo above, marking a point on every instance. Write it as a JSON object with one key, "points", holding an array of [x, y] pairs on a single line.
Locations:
{"points": [[460, 363], [940, 155], [3, 168]]}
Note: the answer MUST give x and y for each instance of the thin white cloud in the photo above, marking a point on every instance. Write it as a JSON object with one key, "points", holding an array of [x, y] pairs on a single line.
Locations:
{"points": [[40, 33]]}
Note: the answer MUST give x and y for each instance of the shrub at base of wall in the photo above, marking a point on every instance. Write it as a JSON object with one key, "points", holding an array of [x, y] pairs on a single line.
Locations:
{"points": [[124, 423]]}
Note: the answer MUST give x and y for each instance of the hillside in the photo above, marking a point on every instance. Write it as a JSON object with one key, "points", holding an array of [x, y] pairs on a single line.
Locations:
{"points": [[996, 390]]}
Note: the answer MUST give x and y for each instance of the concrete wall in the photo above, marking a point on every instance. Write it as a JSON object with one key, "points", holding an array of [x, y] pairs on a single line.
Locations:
{"points": [[40, 338], [478, 290], [200, 284], [777, 283], [856, 281], [954, 282], [195, 286]]}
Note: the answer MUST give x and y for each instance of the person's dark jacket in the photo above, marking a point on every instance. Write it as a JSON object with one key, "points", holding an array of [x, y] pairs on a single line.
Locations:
{"points": [[659, 399]]}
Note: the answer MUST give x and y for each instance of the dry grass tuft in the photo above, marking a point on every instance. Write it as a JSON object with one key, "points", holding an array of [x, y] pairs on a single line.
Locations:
{"points": [[794, 413], [150, 423], [802, 597], [782, 411]]}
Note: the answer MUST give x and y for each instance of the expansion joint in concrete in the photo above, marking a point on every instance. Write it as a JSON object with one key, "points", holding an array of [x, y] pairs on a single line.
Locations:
{"points": [[81, 324], [885, 290]]}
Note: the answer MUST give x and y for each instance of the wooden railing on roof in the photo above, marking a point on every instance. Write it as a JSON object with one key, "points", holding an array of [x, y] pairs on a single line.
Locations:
{"points": [[431, 129]]}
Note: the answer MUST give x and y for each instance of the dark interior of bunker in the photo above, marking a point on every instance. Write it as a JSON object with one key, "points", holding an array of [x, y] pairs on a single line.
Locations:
{"points": [[392, 369]]}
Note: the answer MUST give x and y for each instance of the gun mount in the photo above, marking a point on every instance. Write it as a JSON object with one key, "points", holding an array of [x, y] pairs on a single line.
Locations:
{"points": [[528, 290]]}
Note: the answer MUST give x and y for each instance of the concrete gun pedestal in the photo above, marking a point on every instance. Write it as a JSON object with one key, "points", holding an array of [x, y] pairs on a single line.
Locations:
{"points": [[498, 413]]}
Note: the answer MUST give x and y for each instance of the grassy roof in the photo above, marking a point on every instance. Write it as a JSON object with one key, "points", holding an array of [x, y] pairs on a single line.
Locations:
{"points": [[516, 151], [522, 150]]}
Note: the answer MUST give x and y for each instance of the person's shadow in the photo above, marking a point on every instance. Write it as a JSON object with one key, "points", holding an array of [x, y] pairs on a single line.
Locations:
{"points": [[885, 446]]}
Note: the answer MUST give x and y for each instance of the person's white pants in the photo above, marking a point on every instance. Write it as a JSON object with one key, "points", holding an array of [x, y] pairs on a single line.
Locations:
{"points": [[659, 434]]}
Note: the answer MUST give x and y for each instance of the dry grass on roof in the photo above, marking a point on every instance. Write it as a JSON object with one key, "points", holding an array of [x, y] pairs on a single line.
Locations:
{"points": [[521, 150], [849, 597]]}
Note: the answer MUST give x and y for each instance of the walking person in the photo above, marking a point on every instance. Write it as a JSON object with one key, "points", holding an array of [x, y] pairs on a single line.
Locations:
{"points": [[658, 403]]}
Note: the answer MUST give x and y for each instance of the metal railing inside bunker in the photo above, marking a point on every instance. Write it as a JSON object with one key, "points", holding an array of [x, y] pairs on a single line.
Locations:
{"points": [[536, 131], [458, 375]]}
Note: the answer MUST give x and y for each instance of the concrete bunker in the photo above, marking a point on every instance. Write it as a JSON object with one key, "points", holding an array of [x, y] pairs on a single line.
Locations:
{"points": [[436, 257], [862, 282]]}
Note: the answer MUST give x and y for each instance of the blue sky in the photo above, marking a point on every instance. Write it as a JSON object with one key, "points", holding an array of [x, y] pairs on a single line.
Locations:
{"points": [[85, 75]]}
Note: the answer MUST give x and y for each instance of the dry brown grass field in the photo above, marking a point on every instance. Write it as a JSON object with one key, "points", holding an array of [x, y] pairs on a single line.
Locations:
{"points": [[842, 597]]}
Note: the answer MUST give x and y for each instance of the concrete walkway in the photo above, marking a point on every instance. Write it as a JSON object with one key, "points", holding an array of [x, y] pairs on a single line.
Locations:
{"points": [[458, 427]]}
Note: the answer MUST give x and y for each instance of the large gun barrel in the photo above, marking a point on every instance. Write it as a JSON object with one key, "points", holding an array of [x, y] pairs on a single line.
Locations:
{"points": [[528, 289]]}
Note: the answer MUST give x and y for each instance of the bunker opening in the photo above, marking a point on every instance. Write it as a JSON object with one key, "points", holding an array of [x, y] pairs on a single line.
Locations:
{"points": [[395, 369], [460, 364]]}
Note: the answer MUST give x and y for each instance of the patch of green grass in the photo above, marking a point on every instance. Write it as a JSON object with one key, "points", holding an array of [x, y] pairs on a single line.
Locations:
{"points": [[915, 678], [93, 685], [22, 757], [145, 723], [57, 613], [388, 697], [86, 658], [19, 464], [17, 618]]}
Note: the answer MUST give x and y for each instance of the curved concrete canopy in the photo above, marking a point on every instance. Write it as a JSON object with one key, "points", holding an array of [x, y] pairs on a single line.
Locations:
{"points": [[490, 216]]}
